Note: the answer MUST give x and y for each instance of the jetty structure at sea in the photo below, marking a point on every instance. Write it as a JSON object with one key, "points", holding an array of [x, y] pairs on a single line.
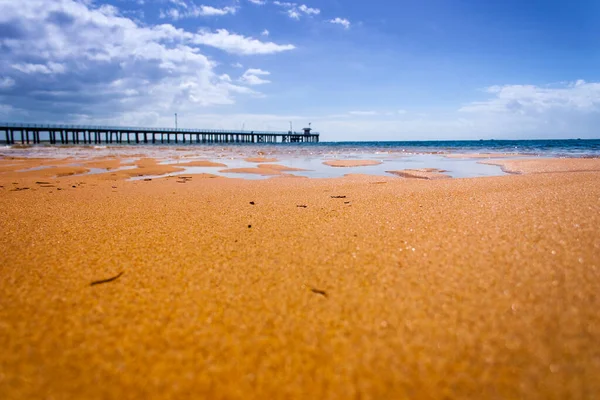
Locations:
{"points": [[12, 133]]}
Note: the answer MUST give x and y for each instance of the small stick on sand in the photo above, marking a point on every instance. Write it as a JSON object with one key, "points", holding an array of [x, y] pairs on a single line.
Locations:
{"points": [[317, 291], [107, 280]]}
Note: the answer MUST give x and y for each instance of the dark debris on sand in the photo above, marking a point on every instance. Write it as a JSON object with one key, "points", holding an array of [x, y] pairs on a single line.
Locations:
{"points": [[318, 291], [114, 278]]}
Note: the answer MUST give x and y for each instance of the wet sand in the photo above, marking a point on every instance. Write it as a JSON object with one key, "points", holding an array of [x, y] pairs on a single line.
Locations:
{"points": [[421, 173], [107, 163], [351, 163], [256, 171], [263, 169], [278, 167], [143, 167], [544, 165], [200, 163], [358, 287]]}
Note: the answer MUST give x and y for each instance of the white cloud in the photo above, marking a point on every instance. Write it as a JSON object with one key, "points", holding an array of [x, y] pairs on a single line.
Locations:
{"points": [[194, 11], [295, 11], [531, 99], [265, 33], [308, 10], [6, 83], [179, 3], [111, 66], [258, 2], [48, 69], [208, 10], [252, 76], [172, 13], [237, 65], [340, 21], [238, 44]]}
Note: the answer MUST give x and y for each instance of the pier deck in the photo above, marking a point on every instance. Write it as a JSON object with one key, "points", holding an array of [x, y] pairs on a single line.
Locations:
{"points": [[11, 133]]}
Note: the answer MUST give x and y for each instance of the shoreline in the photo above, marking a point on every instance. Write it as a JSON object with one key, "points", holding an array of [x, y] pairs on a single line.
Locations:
{"points": [[118, 167]]}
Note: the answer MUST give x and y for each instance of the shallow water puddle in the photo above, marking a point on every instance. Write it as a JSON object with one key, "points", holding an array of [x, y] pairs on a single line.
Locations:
{"points": [[313, 167]]}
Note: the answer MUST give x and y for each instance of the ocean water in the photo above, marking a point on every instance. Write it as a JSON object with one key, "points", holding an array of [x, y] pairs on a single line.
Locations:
{"points": [[553, 148], [393, 156]]}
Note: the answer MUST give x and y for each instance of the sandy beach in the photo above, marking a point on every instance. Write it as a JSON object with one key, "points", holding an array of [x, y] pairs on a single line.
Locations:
{"points": [[364, 287]]}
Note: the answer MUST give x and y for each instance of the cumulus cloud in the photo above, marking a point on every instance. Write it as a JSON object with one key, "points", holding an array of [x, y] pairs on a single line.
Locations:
{"points": [[179, 3], [49, 69], [238, 44], [6, 83], [295, 11], [258, 2], [528, 99], [340, 21], [110, 66], [309, 11], [252, 76], [265, 33], [284, 4], [191, 11]]}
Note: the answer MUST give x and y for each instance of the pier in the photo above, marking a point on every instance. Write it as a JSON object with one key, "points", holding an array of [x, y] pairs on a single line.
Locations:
{"points": [[14, 133]]}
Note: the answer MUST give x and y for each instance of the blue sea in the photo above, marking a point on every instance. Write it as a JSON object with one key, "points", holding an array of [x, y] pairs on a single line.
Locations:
{"points": [[554, 148]]}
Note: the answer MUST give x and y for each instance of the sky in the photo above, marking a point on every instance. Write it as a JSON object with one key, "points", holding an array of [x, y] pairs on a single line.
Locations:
{"points": [[354, 69]]}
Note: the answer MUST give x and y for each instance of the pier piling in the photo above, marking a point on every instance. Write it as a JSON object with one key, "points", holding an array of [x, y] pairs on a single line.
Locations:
{"points": [[41, 133]]}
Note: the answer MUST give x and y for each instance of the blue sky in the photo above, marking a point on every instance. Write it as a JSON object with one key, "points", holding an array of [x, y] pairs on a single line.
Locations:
{"points": [[358, 70]]}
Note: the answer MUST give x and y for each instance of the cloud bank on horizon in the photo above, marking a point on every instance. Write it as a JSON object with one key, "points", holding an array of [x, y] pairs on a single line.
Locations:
{"points": [[386, 70]]}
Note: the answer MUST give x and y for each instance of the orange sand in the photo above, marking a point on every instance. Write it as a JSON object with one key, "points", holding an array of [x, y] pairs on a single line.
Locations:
{"points": [[541, 165], [421, 173], [260, 159], [14, 164], [351, 163], [459, 288]]}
